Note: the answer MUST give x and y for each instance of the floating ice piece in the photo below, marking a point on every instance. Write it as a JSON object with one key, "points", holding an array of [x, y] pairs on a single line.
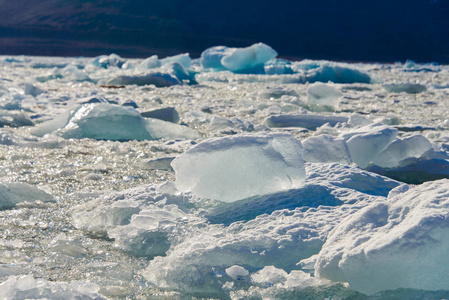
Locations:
{"points": [[14, 119], [399, 150], [325, 149], [233, 168], [162, 163], [410, 88], [149, 63], [168, 114], [27, 287], [182, 59], [308, 121], [357, 120], [105, 61], [336, 73], [269, 275], [249, 58], [278, 67], [321, 94], [157, 78], [111, 122], [32, 90], [277, 93], [211, 57], [399, 243], [14, 193], [237, 272], [366, 142]]}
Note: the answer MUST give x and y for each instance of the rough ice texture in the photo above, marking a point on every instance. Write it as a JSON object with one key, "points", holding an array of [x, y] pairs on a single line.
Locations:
{"points": [[366, 142], [27, 287], [398, 243], [233, 168], [325, 149], [308, 121], [241, 59], [399, 150], [14, 193], [111, 122], [323, 95], [280, 232]]}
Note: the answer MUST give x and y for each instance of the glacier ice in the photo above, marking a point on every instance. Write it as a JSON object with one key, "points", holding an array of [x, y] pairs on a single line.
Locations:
{"points": [[402, 149], [321, 94], [248, 59], [366, 142], [156, 78], [27, 287], [398, 243], [233, 168], [149, 63], [308, 121], [105, 61], [325, 149], [182, 59], [241, 60], [14, 193], [111, 122]]}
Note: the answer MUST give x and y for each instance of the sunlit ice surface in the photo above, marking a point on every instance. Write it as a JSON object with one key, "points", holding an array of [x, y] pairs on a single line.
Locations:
{"points": [[232, 176]]}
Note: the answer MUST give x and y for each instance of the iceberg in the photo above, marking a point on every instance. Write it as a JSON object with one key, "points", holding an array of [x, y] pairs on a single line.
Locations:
{"points": [[233, 168], [248, 59], [240, 60], [182, 59], [149, 63], [398, 243], [106, 61]]}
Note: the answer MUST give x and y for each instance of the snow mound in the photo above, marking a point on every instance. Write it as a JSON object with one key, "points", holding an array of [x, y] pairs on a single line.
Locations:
{"points": [[111, 122], [233, 168], [14, 193], [27, 287], [399, 243]]}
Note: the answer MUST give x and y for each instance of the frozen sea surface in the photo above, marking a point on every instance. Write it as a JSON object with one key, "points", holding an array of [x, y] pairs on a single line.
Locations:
{"points": [[236, 175]]}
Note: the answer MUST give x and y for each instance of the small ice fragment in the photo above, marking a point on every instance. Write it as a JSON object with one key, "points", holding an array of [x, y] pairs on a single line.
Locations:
{"points": [[269, 276], [14, 193], [325, 149], [237, 272], [168, 114], [307, 121], [323, 95]]}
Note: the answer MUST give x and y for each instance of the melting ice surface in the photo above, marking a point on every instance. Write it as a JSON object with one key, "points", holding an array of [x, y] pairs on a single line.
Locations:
{"points": [[236, 175]]}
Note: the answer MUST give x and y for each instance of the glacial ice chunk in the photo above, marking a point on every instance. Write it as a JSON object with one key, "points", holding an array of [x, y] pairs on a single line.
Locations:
{"points": [[112, 122], [105, 61], [233, 168], [366, 142], [308, 121], [409, 88], [337, 74], [399, 150], [321, 94], [14, 193], [157, 78], [182, 59], [399, 243], [248, 58], [325, 149], [149, 63], [211, 57], [27, 287]]}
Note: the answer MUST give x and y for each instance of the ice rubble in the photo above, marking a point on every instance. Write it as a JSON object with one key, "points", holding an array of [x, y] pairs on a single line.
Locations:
{"points": [[399, 243], [27, 287], [233, 168], [111, 122], [13, 193]]}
